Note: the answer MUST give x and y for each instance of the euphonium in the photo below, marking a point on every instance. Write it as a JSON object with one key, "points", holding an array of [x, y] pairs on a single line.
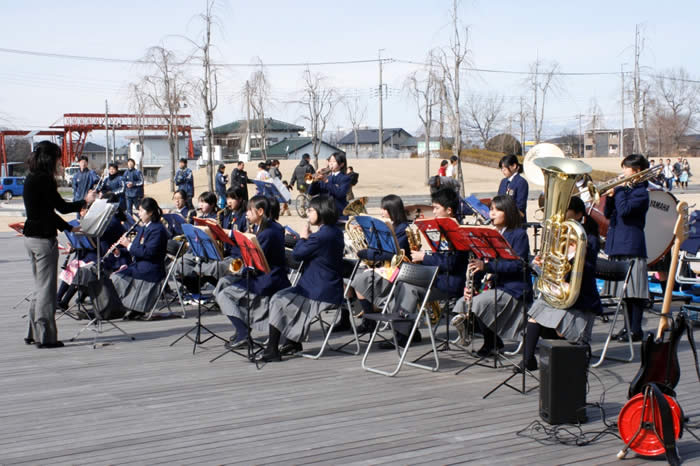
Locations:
{"points": [[560, 236], [356, 206], [236, 265], [355, 236], [595, 191], [319, 175]]}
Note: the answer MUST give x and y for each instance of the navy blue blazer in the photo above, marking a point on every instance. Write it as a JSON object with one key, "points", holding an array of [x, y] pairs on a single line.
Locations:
{"points": [[337, 186], [271, 241], [322, 253], [509, 273], [627, 211], [220, 184], [148, 250], [452, 269], [185, 181], [185, 212], [133, 176], [400, 231], [588, 298], [518, 190], [239, 220]]}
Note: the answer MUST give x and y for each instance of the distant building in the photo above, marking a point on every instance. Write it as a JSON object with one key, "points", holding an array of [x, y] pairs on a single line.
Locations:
{"points": [[122, 155], [606, 142], [294, 148], [95, 154], [434, 144], [156, 155], [570, 144], [231, 136], [368, 140]]}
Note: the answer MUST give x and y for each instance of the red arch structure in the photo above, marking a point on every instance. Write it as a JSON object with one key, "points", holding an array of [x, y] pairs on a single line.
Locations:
{"points": [[76, 126]]}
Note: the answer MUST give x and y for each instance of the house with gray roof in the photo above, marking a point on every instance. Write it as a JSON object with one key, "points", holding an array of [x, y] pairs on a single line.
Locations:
{"points": [[368, 140], [294, 148], [231, 136]]}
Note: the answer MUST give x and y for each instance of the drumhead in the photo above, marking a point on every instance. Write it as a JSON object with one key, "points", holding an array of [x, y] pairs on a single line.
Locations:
{"points": [[660, 222]]}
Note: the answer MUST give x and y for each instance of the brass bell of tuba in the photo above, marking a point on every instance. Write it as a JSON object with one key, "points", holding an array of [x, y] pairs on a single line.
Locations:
{"points": [[562, 240]]}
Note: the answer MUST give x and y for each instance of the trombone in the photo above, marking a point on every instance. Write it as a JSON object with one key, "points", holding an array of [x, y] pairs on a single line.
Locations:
{"points": [[595, 191]]}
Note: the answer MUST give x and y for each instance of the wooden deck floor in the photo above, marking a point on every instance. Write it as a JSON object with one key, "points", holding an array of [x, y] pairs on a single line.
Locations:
{"points": [[147, 403]]}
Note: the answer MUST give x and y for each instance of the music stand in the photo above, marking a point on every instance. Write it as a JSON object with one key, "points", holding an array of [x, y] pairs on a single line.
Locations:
{"points": [[381, 241], [174, 222], [204, 250], [479, 208], [78, 243], [274, 189], [253, 260]]}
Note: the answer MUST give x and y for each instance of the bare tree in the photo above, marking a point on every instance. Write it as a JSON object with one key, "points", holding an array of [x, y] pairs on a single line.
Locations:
{"points": [[483, 114], [424, 87], [596, 115], [522, 116], [167, 88], [357, 112], [451, 61], [139, 104], [541, 80], [319, 100], [677, 105], [258, 89]]}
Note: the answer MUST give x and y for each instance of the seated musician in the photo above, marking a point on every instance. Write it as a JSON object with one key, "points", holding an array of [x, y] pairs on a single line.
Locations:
{"points": [[180, 199], [320, 287], [370, 285], [206, 207], [336, 184], [114, 230], [449, 283], [626, 207], [233, 216], [574, 324], [231, 291], [507, 288], [138, 285], [513, 184]]}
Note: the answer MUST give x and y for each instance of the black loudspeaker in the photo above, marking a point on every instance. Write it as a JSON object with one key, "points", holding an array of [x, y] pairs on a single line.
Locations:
{"points": [[563, 382]]}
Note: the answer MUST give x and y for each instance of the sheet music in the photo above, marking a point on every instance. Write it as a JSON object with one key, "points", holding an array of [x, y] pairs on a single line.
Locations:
{"points": [[97, 218]]}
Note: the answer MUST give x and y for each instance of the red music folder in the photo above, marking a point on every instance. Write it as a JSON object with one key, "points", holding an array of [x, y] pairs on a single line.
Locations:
{"points": [[251, 252], [18, 227], [485, 242]]}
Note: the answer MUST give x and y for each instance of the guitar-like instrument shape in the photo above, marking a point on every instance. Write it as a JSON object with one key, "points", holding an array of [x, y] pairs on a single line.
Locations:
{"points": [[660, 358]]}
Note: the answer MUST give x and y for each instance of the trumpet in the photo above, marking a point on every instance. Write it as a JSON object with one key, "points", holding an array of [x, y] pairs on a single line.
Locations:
{"points": [[125, 235], [595, 191], [320, 175]]}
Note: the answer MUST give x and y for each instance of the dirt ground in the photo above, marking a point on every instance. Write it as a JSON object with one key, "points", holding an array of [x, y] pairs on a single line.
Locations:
{"points": [[388, 176]]}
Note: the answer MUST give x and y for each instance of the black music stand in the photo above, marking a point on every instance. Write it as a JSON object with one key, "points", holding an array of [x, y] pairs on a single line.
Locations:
{"points": [[253, 260], [204, 250], [381, 242]]}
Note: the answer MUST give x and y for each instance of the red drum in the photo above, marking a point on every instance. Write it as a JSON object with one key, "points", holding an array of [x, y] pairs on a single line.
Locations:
{"points": [[660, 221]]}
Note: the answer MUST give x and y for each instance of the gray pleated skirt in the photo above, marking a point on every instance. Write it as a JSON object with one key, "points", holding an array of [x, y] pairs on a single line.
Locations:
{"points": [[572, 324], [509, 323], [292, 313], [363, 285], [638, 286], [215, 269], [136, 295], [407, 298], [232, 302]]}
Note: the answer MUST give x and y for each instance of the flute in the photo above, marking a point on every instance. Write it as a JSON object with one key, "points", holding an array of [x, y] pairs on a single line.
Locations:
{"points": [[127, 233]]}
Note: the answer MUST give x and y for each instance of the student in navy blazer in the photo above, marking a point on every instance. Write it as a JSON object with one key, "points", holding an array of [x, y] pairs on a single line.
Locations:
{"points": [[234, 217], [508, 288], [320, 287], [371, 286], [181, 207], [626, 208], [149, 247], [231, 293], [575, 323], [337, 184], [513, 184]]}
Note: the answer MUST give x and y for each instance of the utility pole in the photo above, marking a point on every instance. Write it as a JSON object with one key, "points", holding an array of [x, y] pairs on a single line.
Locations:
{"points": [[580, 134], [106, 134], [381, 109], [114, 144], [622, 113], [247, 125]]}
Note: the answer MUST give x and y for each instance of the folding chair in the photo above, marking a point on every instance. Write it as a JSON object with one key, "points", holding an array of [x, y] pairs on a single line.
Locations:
{"points": [[422, 276], [176, 256], [615, 271], [327, 327]]}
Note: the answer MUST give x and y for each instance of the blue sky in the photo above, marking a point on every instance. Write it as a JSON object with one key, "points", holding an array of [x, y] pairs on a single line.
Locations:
{"points": [[505, 35]]}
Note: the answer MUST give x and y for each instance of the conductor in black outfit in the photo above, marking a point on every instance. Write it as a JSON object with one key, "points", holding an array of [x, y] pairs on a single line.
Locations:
{"points": [[41, 201]]}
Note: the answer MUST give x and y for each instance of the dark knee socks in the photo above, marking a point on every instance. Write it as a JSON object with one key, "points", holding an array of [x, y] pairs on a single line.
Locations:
{"points": [[490, 338], [273, 340], [534, 332], [635, 310]]}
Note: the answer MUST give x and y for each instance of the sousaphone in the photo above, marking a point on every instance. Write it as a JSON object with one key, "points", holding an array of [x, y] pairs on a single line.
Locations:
{"points": [[533, 173]]}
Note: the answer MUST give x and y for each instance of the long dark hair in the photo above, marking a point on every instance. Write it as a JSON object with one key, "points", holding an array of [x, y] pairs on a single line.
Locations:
{"points": [[341, 160], [261, 202], [510, 160], [325, 209], [210, 198], [507, 204], [238, 195], [589, 225], [394, 207], [44, 157], [151, 206]]}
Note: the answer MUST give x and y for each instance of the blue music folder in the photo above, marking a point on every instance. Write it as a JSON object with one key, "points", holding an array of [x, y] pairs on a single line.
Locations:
{"points": [[378, 234], [200, 243], [476, 205], [174, 222]]}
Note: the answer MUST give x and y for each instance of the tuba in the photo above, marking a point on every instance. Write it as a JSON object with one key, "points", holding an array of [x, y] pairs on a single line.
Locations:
{"points": [[562, 240]]}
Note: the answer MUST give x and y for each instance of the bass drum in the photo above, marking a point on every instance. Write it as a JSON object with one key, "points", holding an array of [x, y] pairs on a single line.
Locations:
{"points": [[660, 221]]}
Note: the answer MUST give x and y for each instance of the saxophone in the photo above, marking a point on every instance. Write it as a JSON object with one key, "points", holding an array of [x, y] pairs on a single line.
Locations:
{"points": [[415, 243], [237, 264], [461, 320]]}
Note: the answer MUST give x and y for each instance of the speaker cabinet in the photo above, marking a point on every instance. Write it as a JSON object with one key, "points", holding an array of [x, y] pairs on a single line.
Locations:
{"points": [[562, 382]]}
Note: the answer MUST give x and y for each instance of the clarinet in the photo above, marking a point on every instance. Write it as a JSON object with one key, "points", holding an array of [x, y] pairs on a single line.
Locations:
{"points": [[127, 233], [460, 320]]}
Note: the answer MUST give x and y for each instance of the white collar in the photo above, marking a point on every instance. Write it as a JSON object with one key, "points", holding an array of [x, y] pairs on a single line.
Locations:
{"points": [[512, 176]]}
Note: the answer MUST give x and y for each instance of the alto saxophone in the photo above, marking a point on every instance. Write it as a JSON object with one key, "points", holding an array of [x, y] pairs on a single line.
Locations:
{"points": [[461, 320], [415, 244]]}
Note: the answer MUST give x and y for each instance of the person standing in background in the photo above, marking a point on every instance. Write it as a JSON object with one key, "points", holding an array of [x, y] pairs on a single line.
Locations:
{"points": [[84, 180], [185, 180], [452, 168], [133, 180], [220, 186], [239, 178]]}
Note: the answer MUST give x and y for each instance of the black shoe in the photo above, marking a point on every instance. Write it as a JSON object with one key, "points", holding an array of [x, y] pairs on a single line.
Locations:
{"points": [[367, 326], [637, 336], [55, 344], [61, 306], [290, 348], [531, 366], [621, 335], [386, 345], [269, 357], [236, 343], [485, 349], [29, 341], [343, 326]]}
